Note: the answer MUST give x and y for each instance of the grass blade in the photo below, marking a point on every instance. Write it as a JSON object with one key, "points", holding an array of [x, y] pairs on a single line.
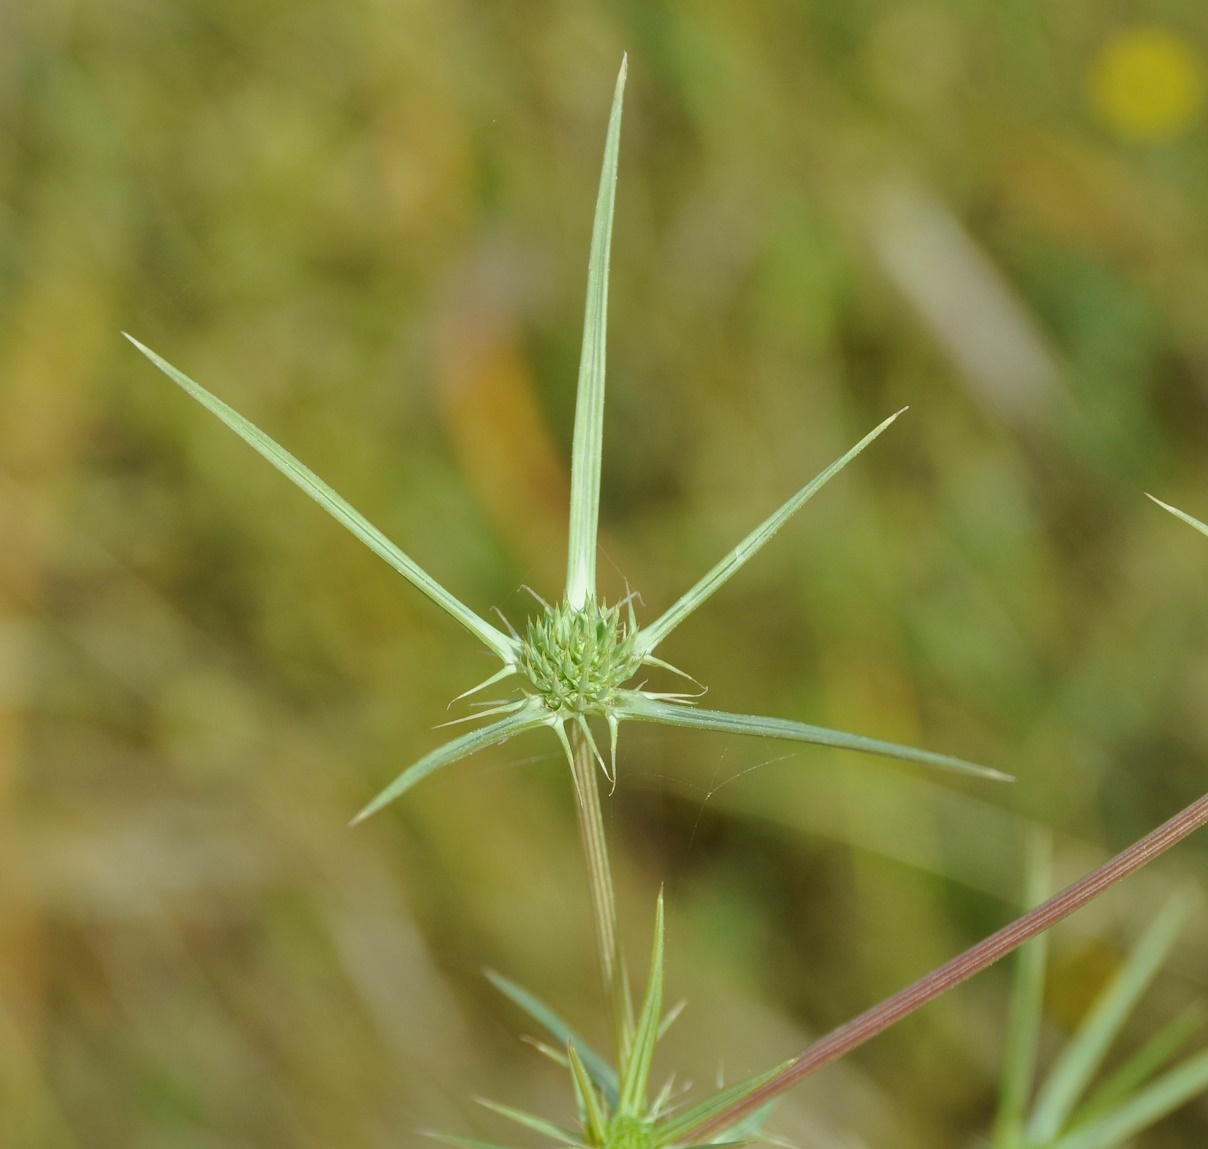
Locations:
{"points": [[1027, 1006], [532, 1121], [341, 510], [1160, 1049], [649, 637], [585, 1093], [1084, 1053], [1201, 527], [597, 1068], [642, 709], [529, 718], [1165, 1095], [587, 448], [684, 1123], [636, 1076]]}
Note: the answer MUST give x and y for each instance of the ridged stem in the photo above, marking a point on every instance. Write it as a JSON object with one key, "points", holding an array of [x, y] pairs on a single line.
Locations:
{"points": [[878, 1019], [603, 896]]}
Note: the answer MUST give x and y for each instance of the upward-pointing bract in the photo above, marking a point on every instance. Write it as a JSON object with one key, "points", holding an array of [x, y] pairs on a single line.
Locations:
{"points": [[575, 660]]}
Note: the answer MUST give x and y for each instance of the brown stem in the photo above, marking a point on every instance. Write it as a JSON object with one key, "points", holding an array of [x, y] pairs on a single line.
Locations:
{"points": [[603, 898], [857, 1031]]}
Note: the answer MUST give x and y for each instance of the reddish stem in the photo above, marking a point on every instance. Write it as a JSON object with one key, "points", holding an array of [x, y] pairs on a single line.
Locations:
{"points": [[873, 1021]]}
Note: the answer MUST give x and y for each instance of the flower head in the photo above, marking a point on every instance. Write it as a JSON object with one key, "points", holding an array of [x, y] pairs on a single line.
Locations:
{"points": [[576, 658]]}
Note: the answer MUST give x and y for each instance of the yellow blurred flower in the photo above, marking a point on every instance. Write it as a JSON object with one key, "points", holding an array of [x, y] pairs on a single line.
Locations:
{"points": [[1147, 83]]}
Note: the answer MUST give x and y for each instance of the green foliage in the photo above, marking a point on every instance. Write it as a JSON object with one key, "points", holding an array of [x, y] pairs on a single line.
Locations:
{"points": [[629, 1119], [1066, 1113], [576, 657], [573, 666], [1201, 527]]}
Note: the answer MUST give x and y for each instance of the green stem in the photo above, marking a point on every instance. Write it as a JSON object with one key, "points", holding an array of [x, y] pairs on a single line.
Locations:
{"points": [[603, 897]]}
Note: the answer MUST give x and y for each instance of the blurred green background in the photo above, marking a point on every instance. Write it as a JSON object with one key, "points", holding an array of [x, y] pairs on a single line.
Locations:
{"points": [[365, 224]]}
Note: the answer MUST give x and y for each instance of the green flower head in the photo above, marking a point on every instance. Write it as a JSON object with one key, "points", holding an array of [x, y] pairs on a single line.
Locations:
{"points": [[577, 658]]}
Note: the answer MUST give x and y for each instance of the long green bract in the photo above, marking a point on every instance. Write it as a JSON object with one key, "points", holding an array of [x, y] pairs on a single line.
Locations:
{"points": [[464, 1142], [639, 707], [650, 636], [681, 1127], [636, 1075], [339, 508], [588, 446], [1201, 527], [529, 717], [533, 1122], [597, 1068]]}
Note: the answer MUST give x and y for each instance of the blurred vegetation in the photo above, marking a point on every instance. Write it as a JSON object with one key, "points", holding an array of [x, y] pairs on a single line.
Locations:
{"points": [[365, 225]]}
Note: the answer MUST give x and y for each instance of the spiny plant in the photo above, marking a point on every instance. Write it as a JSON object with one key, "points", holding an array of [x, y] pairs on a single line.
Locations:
{"points": [[576, 662], [575, 659], [616, 1110]]}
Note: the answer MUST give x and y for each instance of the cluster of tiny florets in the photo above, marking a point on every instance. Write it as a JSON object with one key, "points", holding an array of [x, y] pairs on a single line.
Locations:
{"points": [[629, 1133], [575, 659]]}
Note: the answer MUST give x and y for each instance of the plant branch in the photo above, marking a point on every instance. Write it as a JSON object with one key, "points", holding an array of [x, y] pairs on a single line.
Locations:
{"points": [[603, 897], [867, 1025]]}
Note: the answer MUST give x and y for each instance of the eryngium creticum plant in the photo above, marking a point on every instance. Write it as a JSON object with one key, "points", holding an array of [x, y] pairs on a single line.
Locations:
{"points": [[577, 661]]}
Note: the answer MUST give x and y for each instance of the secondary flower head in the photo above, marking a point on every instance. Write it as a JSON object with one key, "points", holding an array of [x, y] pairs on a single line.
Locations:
{"points": [[577, 658]]}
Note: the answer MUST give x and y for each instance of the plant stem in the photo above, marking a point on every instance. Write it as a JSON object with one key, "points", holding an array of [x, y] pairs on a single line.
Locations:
{"points": [[603, 897], [878, 1019]]}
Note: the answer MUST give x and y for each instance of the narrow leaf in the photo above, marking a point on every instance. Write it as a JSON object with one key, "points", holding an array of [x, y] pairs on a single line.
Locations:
{"points": [[752, 1125], [1160, 1049], [643, 709], [585, 1093], [339, 509], [532, 1121], [1082, 1056], [669, 1018], [1201, 527], [529, 718], [684, 1124], [597, 1068], [636, 1076], [1164, 1096], [463, 1142], [1027, 1004], [650, 637], [587, 447]]}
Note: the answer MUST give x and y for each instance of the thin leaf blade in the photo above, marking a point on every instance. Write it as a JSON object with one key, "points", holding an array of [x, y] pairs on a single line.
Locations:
{"points": [[1201, 527], [1164, 1096], [1082, 1056], [588, 444], [1147, 1061], [585, 1093], [528, 718], [680, 1128], [463, 1142], [1027, 1004], [597, 1068], [636, 1077], [338, 507], [637, 706], [649, 637], [531, 1121]]}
